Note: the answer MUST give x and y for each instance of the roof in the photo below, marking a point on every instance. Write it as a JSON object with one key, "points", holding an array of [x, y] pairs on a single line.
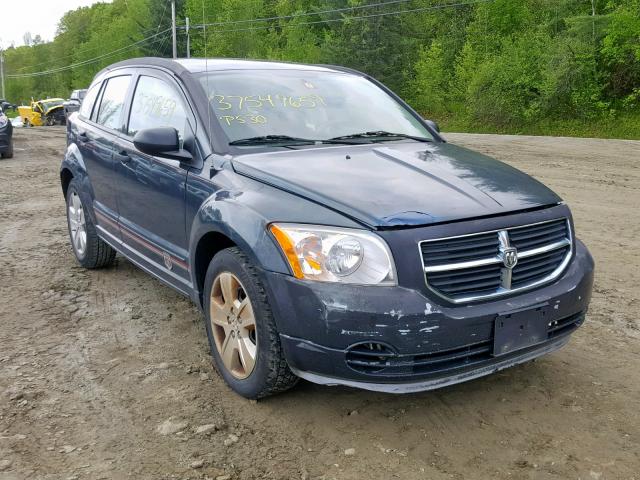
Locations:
{"points": [[203, 64], [196, 65]]}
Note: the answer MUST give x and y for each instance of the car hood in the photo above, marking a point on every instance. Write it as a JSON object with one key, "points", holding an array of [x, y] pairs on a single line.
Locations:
{"points": [[401, 183]]}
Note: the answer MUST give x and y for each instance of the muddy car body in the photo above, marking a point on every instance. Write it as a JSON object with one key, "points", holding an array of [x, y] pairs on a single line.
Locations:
{"points": [[325, 229], [43, 112]]}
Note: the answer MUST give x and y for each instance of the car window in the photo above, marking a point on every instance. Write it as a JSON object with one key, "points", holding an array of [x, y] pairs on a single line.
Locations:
{"points": [[112, 102], [157, 104], [90, 99]]}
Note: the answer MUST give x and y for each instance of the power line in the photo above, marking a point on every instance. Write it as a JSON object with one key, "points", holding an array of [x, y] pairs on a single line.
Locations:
{"points": [[264, 27], [342, 19], [86, 62], [89, 49], [158, 48], [304, 14]]}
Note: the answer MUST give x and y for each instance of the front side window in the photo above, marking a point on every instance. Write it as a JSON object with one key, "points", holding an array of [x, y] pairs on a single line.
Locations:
{"points": [[89, 100], [156, 104], [112, 103], [316, 105]]}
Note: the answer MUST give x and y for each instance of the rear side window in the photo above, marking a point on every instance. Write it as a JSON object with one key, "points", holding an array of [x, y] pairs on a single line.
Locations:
{"points": [[157, 104], [112, 103], [89, 100]]}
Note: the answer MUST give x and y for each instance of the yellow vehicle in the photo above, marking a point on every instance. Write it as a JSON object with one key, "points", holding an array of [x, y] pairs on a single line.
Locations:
{"points": [[43, 112]]}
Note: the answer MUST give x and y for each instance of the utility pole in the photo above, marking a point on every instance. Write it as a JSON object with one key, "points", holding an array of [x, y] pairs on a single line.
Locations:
{"points": [[2, 71], [173, 28], [188, 38]]}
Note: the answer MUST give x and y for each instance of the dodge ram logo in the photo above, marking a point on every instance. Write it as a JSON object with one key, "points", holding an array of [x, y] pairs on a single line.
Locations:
{"points": [[510, 257]]}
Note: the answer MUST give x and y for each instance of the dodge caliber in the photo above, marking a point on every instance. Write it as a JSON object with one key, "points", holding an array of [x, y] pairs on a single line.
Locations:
{"points": [[325, 229]]}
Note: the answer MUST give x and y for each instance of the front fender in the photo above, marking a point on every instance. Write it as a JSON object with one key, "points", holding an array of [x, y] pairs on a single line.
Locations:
{"points": [[241, 209], [243, 225]]}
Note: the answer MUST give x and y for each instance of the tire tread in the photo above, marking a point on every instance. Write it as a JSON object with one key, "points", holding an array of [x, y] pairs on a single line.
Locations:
{"points": [[99, 254], [279, 376]]}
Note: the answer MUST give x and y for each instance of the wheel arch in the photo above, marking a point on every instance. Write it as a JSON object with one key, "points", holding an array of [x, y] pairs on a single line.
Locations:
{"points": [[65, 179], [223, 225], [209, 244]]}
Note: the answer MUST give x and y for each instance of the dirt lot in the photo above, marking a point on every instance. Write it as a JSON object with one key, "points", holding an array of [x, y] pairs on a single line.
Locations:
{"points": [[106, 374]]}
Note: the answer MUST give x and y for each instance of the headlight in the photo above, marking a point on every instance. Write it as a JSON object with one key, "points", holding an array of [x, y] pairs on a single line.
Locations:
{"points": [[331, 254], [3, 121]]}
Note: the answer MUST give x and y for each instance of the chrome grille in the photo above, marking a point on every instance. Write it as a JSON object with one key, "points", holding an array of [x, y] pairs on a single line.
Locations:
{"points": [[489, 264]]}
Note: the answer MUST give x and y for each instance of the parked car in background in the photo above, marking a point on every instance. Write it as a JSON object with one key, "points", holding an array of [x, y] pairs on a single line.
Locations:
{"points": [[6, 136], [74, 102], [324, 228], [43, 112], [5, 105]]}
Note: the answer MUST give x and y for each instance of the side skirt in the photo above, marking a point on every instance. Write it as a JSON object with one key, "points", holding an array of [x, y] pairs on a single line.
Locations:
{"points": [[139, 260]]}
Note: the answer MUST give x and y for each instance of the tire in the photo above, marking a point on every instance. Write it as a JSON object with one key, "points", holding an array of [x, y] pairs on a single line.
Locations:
{"points": [[9, 152], [95, 253], [270, 373], [27, 123]]}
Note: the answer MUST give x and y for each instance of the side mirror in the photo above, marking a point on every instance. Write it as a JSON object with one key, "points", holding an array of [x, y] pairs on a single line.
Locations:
{"points": [[161, 142], [432, 124]]}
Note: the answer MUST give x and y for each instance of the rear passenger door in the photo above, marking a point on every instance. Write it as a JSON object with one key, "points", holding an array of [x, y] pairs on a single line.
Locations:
{"points": [[103, 121], [151, 190]]}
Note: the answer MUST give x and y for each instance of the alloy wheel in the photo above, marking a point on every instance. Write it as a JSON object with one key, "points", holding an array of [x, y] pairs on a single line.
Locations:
{"points": [[233, 325], [77, 225]]}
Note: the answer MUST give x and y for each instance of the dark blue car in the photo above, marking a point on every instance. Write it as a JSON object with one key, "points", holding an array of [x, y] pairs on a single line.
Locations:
{"points": [[6, 136], [326, 231]]}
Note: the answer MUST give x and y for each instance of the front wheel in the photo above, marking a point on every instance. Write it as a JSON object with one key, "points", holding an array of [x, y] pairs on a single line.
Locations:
{"points": [[90, 250], [242, 333], [9, 152]]}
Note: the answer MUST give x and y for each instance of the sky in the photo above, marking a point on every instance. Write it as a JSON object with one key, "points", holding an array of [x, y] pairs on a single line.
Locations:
{"points": [[40, 17]]}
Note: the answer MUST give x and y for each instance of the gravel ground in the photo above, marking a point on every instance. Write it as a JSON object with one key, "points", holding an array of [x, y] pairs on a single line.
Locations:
{"points": [[106, 374]]}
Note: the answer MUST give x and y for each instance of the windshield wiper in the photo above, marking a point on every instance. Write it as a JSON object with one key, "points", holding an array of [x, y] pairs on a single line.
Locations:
{"points": [[272, 139], [380, 136], [286, 140]]}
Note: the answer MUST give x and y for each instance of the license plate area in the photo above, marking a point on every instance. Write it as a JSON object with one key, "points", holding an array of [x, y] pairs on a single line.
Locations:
{"points": [[517, 330]]}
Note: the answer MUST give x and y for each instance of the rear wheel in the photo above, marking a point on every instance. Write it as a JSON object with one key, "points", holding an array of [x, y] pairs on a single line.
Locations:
{"points": [[90, 250], [242, 333], [27, 123]]}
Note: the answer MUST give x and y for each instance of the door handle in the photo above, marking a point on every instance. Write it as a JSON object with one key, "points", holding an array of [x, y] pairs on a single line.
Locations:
{"points": [[123, 156], [83, 137]]}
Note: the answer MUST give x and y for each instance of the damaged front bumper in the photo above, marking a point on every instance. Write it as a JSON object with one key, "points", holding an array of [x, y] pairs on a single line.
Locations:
{"points": [[398, 339], [440, 381]]}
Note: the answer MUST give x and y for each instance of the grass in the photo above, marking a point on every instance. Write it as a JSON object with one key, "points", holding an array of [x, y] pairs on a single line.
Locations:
{"points": [[12, 114], [625, 126]]}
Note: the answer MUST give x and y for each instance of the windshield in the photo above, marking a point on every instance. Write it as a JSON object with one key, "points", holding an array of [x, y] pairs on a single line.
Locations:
{"points": [[304, 104], [51, 103]]}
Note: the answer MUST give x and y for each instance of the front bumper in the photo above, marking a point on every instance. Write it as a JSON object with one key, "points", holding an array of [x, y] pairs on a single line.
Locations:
{"points": [[439, 381], [427, 344]]}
